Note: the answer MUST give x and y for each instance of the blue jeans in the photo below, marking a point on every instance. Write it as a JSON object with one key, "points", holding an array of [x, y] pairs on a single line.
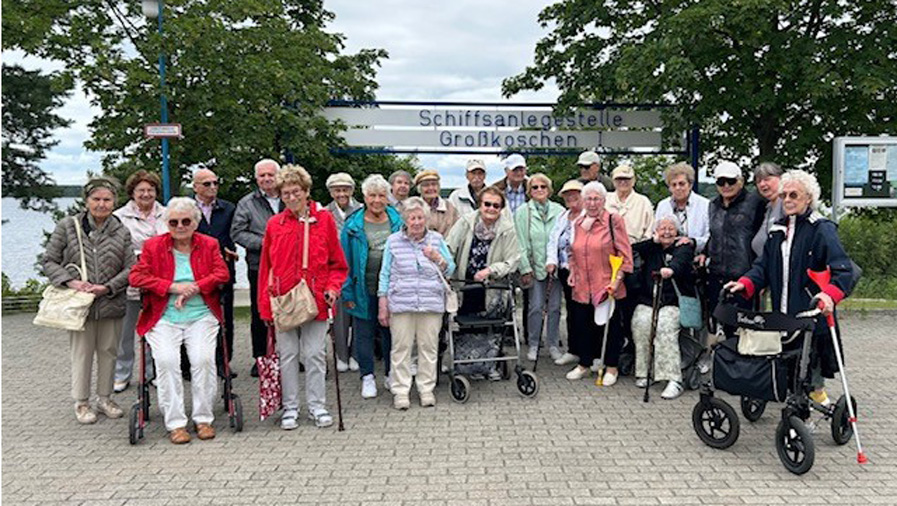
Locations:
{"points": [[364, 333]]}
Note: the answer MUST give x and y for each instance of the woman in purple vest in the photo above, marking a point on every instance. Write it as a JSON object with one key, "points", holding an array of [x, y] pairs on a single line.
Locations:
{"points": [[412, 300]]}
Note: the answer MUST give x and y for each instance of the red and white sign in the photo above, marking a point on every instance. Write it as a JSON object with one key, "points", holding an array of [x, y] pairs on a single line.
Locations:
{"points": [[159, 130]]}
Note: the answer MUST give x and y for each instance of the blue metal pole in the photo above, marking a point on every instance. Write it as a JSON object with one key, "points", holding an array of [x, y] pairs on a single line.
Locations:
{"points": [[166, 179]]}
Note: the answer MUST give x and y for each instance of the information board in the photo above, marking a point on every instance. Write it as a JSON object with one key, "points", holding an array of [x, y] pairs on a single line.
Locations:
{"points": [[865, 172]]}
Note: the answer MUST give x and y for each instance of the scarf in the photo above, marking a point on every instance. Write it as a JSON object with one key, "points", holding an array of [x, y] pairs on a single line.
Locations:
{"points": [[484, 232]]}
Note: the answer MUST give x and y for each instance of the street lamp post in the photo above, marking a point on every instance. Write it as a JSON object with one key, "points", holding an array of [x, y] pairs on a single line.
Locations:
{"points": [[154, 9]]}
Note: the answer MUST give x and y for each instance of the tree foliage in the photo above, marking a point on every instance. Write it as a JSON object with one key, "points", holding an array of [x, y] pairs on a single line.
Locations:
{"points": [[29, 101], [764, 79], [245, 78]]}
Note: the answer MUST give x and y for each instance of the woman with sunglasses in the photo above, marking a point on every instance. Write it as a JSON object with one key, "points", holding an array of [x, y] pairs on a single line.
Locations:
{"points": [[735, 217], [799, 241], [534, 221], [180, 274]]}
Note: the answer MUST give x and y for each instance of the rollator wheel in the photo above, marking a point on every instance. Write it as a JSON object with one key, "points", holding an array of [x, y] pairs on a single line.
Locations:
{"points": [[842, 431], [134, 424], [146, 407], [237, 419], [715, 423], [794, 444], [460, 389], [752, 409], [528, 384]]}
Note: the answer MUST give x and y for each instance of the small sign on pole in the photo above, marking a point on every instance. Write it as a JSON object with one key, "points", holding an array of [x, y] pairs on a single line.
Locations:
{"points": [[162, 130]]}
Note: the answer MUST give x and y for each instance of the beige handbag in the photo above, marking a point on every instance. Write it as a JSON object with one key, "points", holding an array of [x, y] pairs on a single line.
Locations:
{"points": [[759, 342], [451, 297], [297, 306], [62, 307]]}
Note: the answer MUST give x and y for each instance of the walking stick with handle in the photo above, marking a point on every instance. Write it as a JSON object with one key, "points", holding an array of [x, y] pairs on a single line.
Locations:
{"points": [[548, 282], [339, 401], [616, 262], [823, 279], [655, 313]]}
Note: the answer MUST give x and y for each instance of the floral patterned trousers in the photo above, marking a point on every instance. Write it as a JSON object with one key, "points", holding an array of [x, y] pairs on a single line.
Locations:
{"points": [[666, 343]]}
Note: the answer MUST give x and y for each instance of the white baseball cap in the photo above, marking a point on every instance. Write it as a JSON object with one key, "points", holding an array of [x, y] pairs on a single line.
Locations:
{"points": [[513, 161], [726, 169]]}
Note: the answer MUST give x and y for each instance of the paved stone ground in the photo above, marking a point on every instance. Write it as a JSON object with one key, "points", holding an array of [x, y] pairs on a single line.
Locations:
{"points": [[574, 444]]}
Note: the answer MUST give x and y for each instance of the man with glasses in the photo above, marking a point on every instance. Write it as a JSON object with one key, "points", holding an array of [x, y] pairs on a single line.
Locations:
{"points": [[248, 230], [465, 199], [217, 217], [589, 164], [735, 217]]}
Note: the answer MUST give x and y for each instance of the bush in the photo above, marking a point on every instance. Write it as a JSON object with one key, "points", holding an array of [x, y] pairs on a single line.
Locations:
{"points": [[25, 299], [871, 242]]}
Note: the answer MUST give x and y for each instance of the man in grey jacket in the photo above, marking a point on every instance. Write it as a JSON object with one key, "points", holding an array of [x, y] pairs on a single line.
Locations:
{"points": [[248, 230]]}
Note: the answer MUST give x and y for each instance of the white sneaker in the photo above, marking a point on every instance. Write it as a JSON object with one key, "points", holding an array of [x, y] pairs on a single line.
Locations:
{"points": [[387, 381], [289, 420], [674, 389], [609, 379], [120, 386], [353, 364], [596, 365], [341, 366], [641, 382], [368, 387], [555, 353], [532, 353], [578, 372], [567, 359]]}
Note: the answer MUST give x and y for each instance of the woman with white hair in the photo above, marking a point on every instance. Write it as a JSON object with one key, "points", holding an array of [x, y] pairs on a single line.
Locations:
{"points": [[363, 239], [802, 240], [597, 234], [412, 293], [534, 221], [180, 274], [672, 260]]}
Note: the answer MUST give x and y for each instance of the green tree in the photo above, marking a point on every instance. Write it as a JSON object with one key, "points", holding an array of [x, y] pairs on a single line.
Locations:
{"points": [[764, 79], [245, 78], [29, 99]]}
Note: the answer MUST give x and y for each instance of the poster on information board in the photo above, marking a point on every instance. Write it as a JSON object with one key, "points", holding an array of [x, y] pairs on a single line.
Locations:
{"points": [[865, 172]]}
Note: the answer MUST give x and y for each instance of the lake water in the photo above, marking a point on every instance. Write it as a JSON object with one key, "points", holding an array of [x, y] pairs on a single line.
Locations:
{"points": [[23, 238]]}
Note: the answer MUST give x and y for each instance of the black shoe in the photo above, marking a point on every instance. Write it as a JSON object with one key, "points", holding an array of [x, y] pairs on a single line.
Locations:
{"points": [[254, 372], [301, 367], [186, 375]]}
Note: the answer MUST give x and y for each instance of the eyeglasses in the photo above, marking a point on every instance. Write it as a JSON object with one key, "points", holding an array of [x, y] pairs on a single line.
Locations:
{"points": [[207, 184], [293, 194], [793, 195], [494, 205], [726, 181], [185, 222], [539, 187]]}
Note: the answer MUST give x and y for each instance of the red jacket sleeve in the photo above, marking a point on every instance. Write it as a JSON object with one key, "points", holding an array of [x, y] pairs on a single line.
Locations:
{"points": [[336, 263], [144, 274], [264, 302], [217, 269]]}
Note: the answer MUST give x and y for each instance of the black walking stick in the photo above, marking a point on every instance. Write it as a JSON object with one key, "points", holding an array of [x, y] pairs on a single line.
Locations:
{"points": [[655, 312], [544, 319], [339, 401]]}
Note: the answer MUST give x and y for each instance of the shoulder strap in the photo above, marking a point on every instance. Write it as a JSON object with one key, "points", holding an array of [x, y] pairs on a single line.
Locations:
{"points": [[305, 245], [81, 249], [610, 225]]}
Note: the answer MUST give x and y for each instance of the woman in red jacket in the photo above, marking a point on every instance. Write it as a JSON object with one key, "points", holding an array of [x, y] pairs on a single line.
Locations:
{"points": [[280, 269], [180, 273]]}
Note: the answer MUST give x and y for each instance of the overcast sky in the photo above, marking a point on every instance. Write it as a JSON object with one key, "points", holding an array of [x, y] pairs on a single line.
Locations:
{"points": [[459, 50]]}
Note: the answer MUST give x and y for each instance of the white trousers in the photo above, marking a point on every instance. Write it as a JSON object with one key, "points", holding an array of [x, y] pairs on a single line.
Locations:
{"points": [[408, 329], [200, 337], [309, 342]]}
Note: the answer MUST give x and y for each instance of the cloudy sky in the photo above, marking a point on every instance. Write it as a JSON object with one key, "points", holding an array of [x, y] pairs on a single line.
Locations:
{"points": [[459, 50]]}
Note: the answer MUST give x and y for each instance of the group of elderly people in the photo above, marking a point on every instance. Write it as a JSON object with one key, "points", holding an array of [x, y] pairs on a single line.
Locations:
{"points": [[382, 269]]}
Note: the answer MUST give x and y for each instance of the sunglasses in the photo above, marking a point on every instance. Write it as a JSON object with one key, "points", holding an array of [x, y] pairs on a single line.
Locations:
{"points": [[208, 184], [539, 187], [793, 195], [726, 181], [493, 205], [185, 222]]}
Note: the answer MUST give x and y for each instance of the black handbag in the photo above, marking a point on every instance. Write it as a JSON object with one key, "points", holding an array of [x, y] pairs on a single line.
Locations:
{"points": [[757, 377]]}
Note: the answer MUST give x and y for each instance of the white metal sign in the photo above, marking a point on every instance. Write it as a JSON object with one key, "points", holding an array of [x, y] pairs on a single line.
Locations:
{"points": [[158, 130]]}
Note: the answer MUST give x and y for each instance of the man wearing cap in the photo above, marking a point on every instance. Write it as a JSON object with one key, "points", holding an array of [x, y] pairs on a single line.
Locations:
{"points": [[248, 230], [217, 219], [735, 217], [341, 187], [635, 208], [400, 188], [442, 213], [589, 164], [466, 199], [559, 243], [514, 182]]}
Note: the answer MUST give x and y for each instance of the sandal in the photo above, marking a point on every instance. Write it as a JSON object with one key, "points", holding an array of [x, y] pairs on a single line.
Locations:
{"points": [[321, 418]]}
